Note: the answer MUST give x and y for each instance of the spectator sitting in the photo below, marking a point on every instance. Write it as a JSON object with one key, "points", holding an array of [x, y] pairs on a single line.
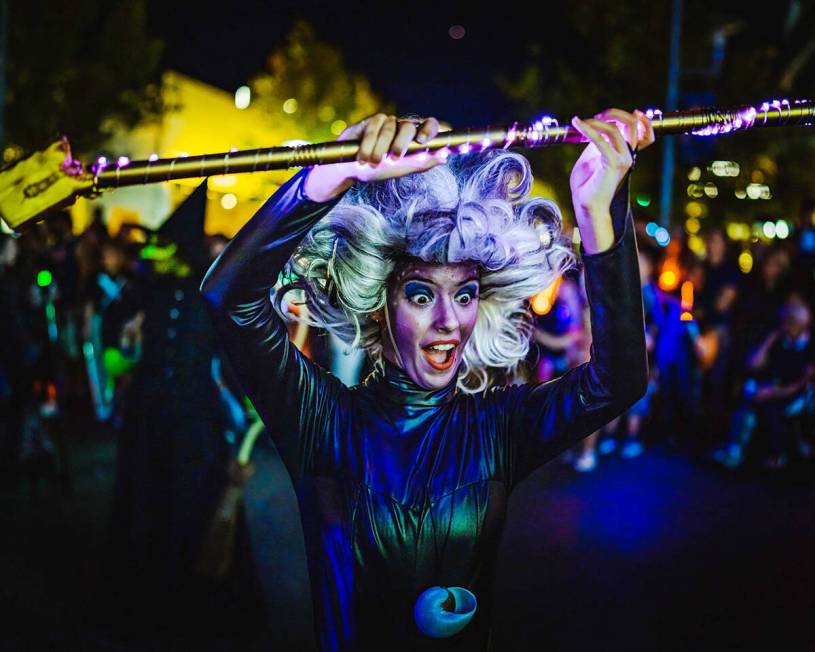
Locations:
{"points": [[781, 389]]}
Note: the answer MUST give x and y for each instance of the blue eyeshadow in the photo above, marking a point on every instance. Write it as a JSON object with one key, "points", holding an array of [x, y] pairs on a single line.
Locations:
{"points": [[412, 288]]}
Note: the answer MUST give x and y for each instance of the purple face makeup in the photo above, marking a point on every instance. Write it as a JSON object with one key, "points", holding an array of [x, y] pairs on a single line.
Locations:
{"points": [[432, 310]]}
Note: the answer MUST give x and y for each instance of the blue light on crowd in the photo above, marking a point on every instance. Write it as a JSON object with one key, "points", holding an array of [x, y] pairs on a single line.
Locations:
{"points": [[662, 236], [651, 228]]}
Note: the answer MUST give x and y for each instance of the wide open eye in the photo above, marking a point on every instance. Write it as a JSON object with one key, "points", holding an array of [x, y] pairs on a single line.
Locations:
{"points": [[418, 293], [420, 299], [467, 295]]}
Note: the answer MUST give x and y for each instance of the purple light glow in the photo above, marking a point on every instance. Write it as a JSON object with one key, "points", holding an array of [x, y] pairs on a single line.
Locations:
{"points": [[122, 161], [152, 157], [100, 165], [743, 119], [464, 149], [512, 134], [486, 143], [541, 129]]}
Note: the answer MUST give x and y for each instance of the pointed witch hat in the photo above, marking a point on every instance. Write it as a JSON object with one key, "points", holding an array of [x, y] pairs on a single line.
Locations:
{"points": [[185, 228]]}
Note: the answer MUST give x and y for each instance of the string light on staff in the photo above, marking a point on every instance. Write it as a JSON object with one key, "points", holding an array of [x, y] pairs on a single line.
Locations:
{"points": [[28, 190], [543, 132]]}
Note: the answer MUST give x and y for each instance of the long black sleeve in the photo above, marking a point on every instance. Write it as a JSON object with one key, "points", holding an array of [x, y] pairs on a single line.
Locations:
{"points": [[294, 397], [547, 418]]}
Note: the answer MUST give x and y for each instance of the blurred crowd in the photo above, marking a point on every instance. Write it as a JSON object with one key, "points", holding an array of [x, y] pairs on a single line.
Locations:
{"points": [[731, 357], [93, 324], [104, 336]]}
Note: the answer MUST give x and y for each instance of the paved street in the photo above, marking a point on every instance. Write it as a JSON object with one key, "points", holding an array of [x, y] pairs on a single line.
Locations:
{"points": [[659, 552]]}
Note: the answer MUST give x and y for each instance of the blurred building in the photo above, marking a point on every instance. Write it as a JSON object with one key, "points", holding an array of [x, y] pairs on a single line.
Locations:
{"points": [[200, 119]]}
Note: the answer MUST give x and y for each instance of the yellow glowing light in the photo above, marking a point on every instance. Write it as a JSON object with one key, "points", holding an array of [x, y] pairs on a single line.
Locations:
{"points": [[541, 304], [12, 153], [711, 190], [696, 245], [782, 229], [696, 190], [668, 280], [686, 316], [338, 126], [694, 209], [725, 168], [692, 225], [229, 201], [543, 301], [224, 181], [694, 174], [326, 113], [738, 231], [758, 191], [290, 105], [243, 97], [745, 262], [741, 194]]}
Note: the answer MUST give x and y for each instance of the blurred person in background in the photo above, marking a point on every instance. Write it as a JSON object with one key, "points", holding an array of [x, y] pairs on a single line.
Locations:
{"points": [[677, 355], [18, 350], [172, 456], [714, 309], [562, 329], [765, 290], [105, 316], [778, 395], [632, 421]]}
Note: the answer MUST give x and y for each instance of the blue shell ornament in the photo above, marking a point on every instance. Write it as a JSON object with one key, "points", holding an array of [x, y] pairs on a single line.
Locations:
{"points": [[443, 612]]}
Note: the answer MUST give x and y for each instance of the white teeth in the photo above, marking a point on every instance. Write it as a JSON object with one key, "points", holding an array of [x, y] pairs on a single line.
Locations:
{"points": [[442, 347]]}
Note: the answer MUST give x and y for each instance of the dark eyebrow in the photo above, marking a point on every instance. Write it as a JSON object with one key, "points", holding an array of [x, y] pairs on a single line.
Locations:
{"points": [[416, 276]]}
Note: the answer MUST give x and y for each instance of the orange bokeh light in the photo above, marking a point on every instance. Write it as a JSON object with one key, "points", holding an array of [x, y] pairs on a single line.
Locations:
{"points": [[543, 301], [687, 296]]}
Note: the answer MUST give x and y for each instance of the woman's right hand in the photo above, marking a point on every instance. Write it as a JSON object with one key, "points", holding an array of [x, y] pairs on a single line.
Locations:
{"points": [[383, 141]]}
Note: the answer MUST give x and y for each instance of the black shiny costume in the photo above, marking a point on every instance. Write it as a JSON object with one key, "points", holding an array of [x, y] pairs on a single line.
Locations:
{"points": [[402, 488]]}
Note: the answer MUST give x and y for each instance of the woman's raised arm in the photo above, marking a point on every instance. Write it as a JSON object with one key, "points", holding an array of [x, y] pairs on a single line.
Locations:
{"points": [[296, 399], [545, 419], [293, 396]]}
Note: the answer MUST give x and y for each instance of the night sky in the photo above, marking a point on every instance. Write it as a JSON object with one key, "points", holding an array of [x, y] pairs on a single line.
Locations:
{"points": [[405, 51]]}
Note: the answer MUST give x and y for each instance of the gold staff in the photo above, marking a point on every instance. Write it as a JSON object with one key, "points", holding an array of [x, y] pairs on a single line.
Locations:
{"points": [[52, 179]]}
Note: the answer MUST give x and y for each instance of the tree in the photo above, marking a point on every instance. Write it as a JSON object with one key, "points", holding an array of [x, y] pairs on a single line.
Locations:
{"points": [[622, 61], [322, 93], [79, 68]]}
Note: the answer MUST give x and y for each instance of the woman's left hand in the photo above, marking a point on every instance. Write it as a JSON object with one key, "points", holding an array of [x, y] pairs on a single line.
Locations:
{"points": [[614, 136]]}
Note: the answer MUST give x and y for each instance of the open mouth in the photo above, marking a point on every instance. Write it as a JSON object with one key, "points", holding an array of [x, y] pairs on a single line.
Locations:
{"points": [[440, 355]]}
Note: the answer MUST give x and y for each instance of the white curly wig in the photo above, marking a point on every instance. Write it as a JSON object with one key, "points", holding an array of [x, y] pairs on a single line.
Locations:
{"points": [[477, 208]]}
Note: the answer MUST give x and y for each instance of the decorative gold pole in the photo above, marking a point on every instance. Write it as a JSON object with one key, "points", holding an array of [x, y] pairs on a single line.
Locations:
{"points": [[53, 179], [544, 132]]}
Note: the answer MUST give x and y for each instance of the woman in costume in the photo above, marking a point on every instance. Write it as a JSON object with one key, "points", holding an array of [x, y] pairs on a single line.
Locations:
{"points": [[428, 265]]}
